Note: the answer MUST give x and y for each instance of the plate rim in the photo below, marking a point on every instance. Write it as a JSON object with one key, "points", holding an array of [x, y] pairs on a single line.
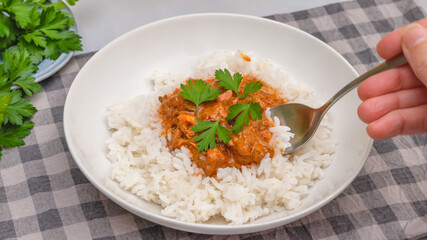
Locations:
{"points": [[204, 228]]}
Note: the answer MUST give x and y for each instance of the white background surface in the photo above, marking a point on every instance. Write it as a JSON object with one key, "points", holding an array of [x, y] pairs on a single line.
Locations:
{"points": [[101, 21]]}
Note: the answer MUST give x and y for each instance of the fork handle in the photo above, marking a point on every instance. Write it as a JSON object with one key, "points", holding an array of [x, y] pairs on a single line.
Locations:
{"points": [[388, 64]]}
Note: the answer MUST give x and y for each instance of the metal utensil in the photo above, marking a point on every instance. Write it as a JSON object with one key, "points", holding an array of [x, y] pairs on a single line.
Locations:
{"points": [[303, 120]]}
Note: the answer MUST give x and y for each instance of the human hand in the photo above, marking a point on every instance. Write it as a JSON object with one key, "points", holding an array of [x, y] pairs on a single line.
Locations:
{"points": [[395, 101]]}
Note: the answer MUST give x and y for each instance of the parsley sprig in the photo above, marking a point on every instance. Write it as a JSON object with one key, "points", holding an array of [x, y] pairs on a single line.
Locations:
{"points": [[17, 65], [39, 27], [30, 31], [227, 81], [198, 92], [206, 140], [244, 111], [15, 110], [251, 87], [233, 83], [13, 135]]}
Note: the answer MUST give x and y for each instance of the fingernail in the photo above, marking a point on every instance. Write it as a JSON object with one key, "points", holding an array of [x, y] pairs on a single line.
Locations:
{"points": [[413, 34]]}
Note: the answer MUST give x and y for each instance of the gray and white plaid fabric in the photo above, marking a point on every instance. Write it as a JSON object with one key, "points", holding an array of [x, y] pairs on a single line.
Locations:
{"points": [[43, 194]]}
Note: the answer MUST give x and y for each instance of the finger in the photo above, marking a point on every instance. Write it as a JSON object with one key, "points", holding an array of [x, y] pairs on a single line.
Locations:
{"points": [[415, 49], [389, 81], [400, 122], [391, 44], [374, 108]]}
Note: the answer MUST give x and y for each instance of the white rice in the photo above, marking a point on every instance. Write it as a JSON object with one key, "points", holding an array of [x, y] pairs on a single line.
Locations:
{"points": [[143, 165]]}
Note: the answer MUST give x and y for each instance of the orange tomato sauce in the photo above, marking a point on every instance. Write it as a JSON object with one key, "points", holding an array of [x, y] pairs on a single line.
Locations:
{"points": [[246, 148]]}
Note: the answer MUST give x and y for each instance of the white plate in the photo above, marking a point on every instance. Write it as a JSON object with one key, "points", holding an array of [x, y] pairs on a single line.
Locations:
{"points": [[121, 71]]}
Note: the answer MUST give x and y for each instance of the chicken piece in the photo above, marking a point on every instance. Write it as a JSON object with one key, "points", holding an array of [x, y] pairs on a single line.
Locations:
{"points": [[185, 123]]}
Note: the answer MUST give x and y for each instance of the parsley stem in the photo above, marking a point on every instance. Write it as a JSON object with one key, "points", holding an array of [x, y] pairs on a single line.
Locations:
{"points": [[197, 112]]}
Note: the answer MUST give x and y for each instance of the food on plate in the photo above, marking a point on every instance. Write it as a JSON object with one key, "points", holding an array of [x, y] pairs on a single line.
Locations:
{"points": [[204, 145], [238, 144]]}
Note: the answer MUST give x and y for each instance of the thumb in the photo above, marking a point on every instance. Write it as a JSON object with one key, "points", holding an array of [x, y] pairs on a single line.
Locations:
{"points": [[414, 45]]}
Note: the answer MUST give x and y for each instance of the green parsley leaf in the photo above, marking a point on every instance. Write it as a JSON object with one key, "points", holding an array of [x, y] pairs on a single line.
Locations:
{"points": [[4, 87], [34, 17], [227, 81], [12, 135], [72, 2], [198, 92], [5, 84], [21, 11], [52, 34], [68, 40], [206, 140], [17, 63], [58, 5], [5, 26], [36, 53], [40, 2], [70, 20], [51, 19], [4, 102], [37, 37], [28, 85], [7, 41], [244, 110], [8, 32], [251, 87], [50, 24], [51, 51], [18, 108]]}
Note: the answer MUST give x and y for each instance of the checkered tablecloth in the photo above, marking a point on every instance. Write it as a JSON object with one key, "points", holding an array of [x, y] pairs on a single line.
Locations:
{"points": [[43, 194]]}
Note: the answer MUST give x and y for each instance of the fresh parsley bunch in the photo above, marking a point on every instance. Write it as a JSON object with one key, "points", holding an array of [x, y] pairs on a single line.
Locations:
{"points": [[38, 26], [30, 31]]}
